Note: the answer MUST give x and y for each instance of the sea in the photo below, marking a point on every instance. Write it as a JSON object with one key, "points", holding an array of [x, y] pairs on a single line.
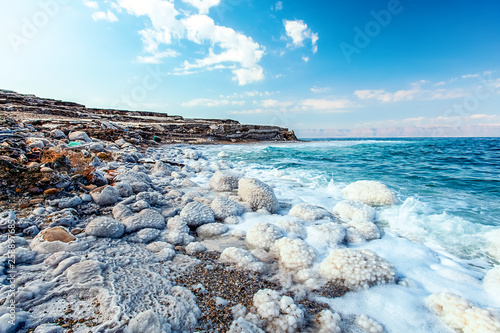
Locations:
{"points": [[448, 192]]}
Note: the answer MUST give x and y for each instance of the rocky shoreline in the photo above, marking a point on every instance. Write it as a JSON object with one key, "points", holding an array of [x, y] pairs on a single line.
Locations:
{"points": [[138, 127]]}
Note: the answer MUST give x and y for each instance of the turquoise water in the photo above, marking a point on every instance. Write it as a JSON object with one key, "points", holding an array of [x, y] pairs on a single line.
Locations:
{"points": [[448, 188]]}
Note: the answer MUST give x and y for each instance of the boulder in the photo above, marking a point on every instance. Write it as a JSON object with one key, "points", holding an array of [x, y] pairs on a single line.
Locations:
{"points": [[55, 239], [223, 181], [79, 136], [147, 218], [106, 195], [196, 214], [105, 226], [224, 208], [258, 195]]}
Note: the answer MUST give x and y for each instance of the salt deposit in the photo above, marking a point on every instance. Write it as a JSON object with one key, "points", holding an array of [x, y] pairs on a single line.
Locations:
{"points": [[370, 192]]}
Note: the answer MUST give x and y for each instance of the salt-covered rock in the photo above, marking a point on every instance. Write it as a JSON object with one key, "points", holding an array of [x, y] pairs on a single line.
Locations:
{"points": [[79, 136], [195, 247], [139, 205], [211, 230], [121, 212], [370, 192], [85, 274], [70, 202], [191, 154], [165, 254], [366, 228], [179, 238], [241, 259], [279, 313], [158, 246], [161, 169], [105, 226], [106, 195], [241, 325], [368, 324], [309, 212], [197, 213], [292, 229], [147, 218], [354, 210], [263, 235], [67, 218], [124, 189], [327, 322], [258, 194], [327, 234], [148, 322], [356, 269], [460, 314], [224, 181], [54, 240], [224, 208], [293, 254], [23, 256], [145, 235], [48, 328]]}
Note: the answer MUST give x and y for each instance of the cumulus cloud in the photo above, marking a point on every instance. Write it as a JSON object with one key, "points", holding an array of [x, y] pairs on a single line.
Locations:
{"points": [[91, 4], [203, 6], [318, 90], [104, 16], [211, 102], [298, 31], [157, 57], [278, 6], [225, 45]]}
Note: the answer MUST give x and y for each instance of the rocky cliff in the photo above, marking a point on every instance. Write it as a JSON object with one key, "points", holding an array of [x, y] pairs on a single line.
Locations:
{"points": [[135, 125]]}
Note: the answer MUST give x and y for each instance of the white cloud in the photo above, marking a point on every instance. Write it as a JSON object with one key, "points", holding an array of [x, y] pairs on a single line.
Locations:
{"points": [[415, 92], [468, 76], [104, 16], [241, 51], [327, 105], [298, 31], [203, 6], [278, 6], [254, 111], [272, 103], [157, 57], [211, 102], [306, 59], [91, 4], [318, 90]]}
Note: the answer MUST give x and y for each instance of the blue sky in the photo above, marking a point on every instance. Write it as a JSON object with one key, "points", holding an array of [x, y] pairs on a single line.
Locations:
{"points": [[322, 68]]}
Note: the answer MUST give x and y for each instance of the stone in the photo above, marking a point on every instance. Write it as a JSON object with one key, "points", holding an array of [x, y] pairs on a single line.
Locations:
{"points": [[105, 226], [223, 181], [139, 205], [196, 214], [161, 169], [55, 239], [31, 231], [57, 134], [67, 217], [121, 212], [86, 197], [147, 218], [145, 235], [211, 230], [106, 195], [79, 136], [96, 147], [147, 322], [124, 189], [70, 202], [224, 207], [258, 195]]}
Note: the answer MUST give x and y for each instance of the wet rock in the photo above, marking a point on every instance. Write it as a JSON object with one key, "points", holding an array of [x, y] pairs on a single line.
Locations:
{"points": [[145, 235], [79, 136], [121, 212], [105, 226], [147, 218], [67, 217], [70, 202], [57, 134], [106, 195]]}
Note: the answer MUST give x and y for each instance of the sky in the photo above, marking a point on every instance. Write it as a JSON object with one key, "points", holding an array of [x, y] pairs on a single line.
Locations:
{"points": [[359, 68]]}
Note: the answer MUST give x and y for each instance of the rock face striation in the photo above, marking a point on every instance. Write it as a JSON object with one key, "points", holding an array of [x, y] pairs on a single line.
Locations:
{"points": [[143, 126]]}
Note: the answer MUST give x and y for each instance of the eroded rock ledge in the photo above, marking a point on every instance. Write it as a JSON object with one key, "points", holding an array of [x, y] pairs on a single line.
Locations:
{"points": [[140, 125]]}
